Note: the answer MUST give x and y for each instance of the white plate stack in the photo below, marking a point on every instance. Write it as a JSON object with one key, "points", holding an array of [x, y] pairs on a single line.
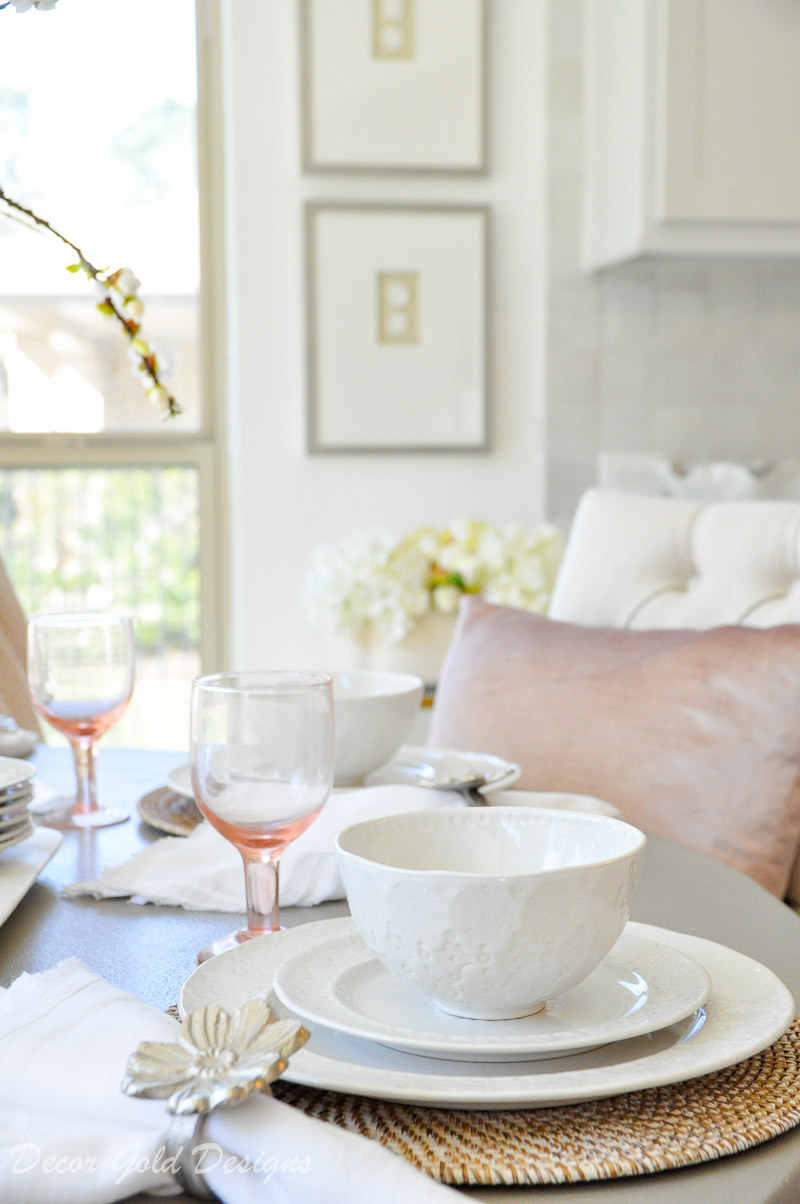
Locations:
{"points": [[16, 794], [370, 1036]]}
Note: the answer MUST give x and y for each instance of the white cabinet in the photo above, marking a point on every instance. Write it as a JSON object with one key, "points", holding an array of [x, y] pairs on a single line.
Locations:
{"points": [[692, 128]]}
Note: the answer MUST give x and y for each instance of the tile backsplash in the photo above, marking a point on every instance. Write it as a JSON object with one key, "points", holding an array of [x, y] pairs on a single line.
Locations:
{"points": [[692, 359]]}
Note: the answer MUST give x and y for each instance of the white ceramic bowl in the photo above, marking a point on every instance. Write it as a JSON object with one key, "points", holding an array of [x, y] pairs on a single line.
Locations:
{"points": [[373, 714], [490, 911]]}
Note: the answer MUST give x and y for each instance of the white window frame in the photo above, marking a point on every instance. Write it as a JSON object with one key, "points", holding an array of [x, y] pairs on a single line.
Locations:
{"points": [[203, 448]]}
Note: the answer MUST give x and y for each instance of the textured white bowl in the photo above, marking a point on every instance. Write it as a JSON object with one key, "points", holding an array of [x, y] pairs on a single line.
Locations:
{"points": [[490, 911], [373, 714]]}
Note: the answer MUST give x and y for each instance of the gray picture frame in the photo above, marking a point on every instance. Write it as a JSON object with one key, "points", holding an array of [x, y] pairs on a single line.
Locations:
{"points": [[457, 350], [314, 157]]}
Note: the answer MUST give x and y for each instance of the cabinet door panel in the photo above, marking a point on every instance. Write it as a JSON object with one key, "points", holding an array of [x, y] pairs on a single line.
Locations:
{"points": [[731, 111]]}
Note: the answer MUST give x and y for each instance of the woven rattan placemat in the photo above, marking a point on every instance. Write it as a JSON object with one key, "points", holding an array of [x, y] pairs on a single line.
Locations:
{"points": [[654, 1130]]}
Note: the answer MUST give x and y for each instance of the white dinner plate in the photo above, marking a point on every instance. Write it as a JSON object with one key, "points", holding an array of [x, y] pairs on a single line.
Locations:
{"points": [[639, 987], [410, 766], [748, 1009]]}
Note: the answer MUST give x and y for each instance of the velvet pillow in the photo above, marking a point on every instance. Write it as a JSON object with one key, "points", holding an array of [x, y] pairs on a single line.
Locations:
{"points": [[692, 734]]}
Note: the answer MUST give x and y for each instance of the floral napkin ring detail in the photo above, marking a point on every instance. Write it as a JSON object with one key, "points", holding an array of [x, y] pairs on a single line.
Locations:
{"points": [[217, 1062]]}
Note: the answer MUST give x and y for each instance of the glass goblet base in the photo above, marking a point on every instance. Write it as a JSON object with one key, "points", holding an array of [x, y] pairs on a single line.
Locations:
{"points": [[69, 816], [225, 943]]}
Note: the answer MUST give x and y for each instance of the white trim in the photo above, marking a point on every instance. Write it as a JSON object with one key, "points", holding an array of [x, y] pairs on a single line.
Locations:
{"points": [[215, 520]]}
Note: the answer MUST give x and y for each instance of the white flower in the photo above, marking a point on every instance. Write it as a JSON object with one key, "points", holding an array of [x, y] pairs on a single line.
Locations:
{"points": [[165, 365], [127, 282], [22, 6], [367, 578], [133, 308], [445, 599], [138, 366], [158, 396], [464, 564]]}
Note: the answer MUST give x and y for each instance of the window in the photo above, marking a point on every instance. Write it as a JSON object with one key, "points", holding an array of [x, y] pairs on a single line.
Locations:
{"points": [[104, 504]]}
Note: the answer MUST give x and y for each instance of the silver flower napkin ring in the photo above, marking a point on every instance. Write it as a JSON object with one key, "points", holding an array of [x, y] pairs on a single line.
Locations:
{"points": [[217, 1062], [182, 1143]]}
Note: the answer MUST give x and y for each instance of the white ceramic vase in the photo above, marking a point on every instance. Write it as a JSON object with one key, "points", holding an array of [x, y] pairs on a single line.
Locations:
{"points": [[422, 651]]}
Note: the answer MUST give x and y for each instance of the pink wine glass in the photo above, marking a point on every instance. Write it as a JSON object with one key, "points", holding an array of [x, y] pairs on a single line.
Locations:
{"points": [[80, 671], [262, 769]]}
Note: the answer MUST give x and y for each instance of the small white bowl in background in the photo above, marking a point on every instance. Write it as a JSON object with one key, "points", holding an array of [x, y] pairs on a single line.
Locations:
{"points": [[490, 911], [373, 714]]}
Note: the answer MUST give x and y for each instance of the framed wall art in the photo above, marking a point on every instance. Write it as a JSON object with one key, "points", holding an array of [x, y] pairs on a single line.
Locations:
{"points": [[393, 84], [396, 327]]}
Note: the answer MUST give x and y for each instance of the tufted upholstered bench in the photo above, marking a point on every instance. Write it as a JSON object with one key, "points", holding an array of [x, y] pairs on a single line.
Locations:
{"points": [[645, 562], [652, 562]]}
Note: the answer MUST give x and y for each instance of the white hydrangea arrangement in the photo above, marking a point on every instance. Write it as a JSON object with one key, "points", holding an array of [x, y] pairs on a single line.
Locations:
{"points": [[372, 578]]}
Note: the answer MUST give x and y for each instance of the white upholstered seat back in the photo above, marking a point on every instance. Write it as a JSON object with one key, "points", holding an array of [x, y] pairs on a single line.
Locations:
{"points": [[646, 562]]}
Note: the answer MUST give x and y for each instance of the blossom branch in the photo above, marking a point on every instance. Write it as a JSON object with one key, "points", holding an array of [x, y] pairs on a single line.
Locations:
{"points": [[118, 299]]}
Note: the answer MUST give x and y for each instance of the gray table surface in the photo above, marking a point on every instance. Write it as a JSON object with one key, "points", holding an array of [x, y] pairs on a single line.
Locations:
{"points": [[150, 951]]}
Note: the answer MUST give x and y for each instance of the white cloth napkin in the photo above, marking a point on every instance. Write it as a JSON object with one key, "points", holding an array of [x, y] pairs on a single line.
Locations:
{"points": [[69, 1135], [203, 872]]}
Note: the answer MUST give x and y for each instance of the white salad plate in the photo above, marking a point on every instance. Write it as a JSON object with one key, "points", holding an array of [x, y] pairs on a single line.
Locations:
{"points": [[412, 765], [748, 1009], [639, 987], [14, 773]]}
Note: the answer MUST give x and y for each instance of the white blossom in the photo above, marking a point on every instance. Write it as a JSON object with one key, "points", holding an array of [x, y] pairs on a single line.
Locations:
{"points": [[158, 396], [127, 283], [133, 307]]}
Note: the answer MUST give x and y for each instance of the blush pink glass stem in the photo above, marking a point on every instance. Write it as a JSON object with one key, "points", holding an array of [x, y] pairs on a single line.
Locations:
{"points": [[84, 753], [261, 891]]}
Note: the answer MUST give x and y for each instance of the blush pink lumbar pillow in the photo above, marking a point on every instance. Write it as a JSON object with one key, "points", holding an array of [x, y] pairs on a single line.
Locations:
{"points": [[692, 734]]}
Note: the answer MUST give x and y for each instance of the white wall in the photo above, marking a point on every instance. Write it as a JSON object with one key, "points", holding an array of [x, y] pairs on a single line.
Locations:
{"points": [[284, 502]]}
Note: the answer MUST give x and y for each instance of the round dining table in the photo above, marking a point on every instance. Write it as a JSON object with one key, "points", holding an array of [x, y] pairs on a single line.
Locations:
{"points": [[150, 951]]}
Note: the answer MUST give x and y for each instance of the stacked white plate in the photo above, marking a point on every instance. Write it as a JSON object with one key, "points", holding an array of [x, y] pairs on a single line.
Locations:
{"points": [[660, 1008], [16, 794]]}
